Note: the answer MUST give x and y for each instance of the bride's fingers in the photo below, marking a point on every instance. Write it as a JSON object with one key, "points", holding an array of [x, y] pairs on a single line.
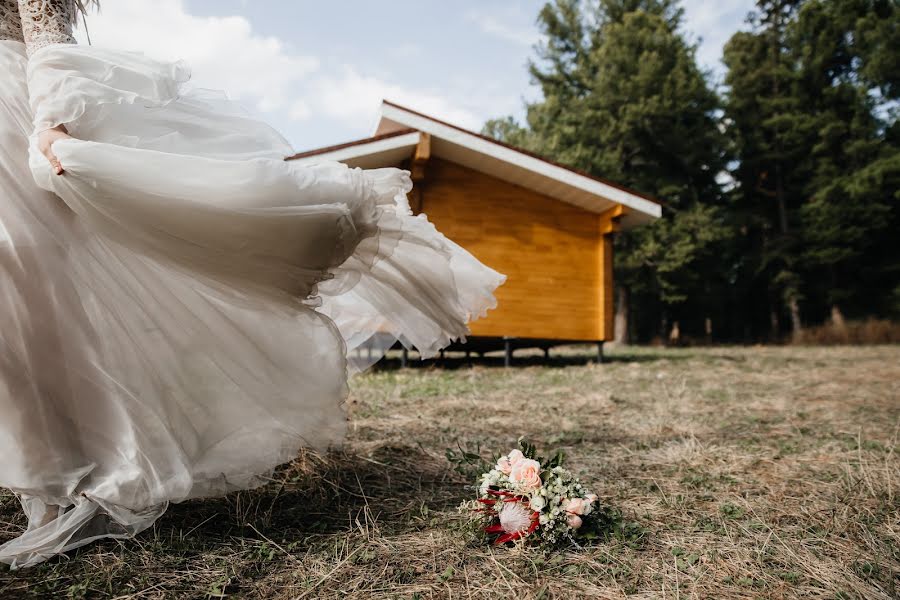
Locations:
{"points": [[46, 139], [57, 166], [51, 157]]}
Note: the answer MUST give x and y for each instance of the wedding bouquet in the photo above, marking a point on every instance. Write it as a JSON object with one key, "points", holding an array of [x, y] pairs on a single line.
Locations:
{"points": [[539, 501]]}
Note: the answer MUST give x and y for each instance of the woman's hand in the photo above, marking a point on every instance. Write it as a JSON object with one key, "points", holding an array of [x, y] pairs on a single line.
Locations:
{"points": [[46, 139]]}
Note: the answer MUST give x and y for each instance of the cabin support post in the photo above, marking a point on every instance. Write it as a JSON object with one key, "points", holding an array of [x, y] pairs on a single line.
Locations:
{"points": [[419, 162], [404, 358], [507, 352], [600, 358]]}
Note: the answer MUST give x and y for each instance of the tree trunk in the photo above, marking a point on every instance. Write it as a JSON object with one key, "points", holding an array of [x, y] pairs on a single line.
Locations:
{"points": [[663, 327], [774, 325], [621, 321], [796, 325], [837, 315], [780, 193], [837, 318], [675, 334]]}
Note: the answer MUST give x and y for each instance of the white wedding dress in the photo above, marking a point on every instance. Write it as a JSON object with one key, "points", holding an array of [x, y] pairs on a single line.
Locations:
{"points": [[177, 308]]}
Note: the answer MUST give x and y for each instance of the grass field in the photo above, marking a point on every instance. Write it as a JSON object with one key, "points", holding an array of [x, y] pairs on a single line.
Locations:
{"points": [[740, 473]]}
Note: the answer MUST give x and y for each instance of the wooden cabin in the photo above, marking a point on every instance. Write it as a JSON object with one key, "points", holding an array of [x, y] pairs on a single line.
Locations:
{"points": [[547, 227]]}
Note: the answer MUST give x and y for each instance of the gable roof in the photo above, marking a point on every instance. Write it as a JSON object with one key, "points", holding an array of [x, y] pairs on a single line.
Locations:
{"points": [[399, 130]]}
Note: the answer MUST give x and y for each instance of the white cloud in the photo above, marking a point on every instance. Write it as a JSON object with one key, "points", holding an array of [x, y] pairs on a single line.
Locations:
{"points": [[714, 23], [263, 72], [504, 26], [314, 98], [223, 52], [352, 96]]}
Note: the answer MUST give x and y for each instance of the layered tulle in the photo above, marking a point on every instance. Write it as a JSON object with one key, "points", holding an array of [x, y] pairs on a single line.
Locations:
{"points": [[176, 309]]}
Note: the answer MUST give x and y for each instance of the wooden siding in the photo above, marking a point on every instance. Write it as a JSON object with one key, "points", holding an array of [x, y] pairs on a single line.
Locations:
{"points": [[556, 258]]}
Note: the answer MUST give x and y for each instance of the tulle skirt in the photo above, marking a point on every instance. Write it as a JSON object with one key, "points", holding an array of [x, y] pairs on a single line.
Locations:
{"points": [[177, 309]]}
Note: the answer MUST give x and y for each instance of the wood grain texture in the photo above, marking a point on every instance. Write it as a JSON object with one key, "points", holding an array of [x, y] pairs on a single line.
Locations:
{"points": [[553, 253], [420, 158]]}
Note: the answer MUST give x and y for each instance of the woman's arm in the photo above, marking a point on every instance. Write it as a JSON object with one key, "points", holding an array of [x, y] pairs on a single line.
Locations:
{"points": [[10, 23], [46, 22]]}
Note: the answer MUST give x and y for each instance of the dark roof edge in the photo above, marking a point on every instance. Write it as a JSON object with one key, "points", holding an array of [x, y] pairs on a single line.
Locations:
{"points": [[350, 144]]}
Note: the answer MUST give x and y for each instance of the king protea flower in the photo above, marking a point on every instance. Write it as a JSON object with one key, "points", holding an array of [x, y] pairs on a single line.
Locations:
{"points": [[515, 517]]}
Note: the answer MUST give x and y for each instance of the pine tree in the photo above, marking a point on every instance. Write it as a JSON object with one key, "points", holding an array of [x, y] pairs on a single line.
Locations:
{"points": [[812, 113], [769, 143], [623, 98], [846, 86]]}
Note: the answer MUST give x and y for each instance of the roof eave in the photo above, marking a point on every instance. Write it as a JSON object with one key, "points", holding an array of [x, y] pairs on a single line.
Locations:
{"points": [[400, 129], [420, 122]]}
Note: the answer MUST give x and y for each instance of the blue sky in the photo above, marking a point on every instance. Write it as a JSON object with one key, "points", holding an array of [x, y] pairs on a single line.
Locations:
{"points": [[317, 70]]}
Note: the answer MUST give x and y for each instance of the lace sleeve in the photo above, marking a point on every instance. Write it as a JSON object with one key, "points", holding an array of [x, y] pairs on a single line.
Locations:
{"points": [[46, 22], [10, 23]]}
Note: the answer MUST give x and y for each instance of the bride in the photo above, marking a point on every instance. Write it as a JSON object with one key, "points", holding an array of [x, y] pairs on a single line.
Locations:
{"points": [[177, 302]]}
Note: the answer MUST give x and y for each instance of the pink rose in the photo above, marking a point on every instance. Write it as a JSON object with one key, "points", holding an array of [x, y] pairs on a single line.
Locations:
{"points": [[575, 506], [527, 474], [574, 521], [505, 464]]}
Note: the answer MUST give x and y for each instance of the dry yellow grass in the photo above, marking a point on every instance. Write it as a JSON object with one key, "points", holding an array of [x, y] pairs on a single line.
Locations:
{"points": [[740, 472]]}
